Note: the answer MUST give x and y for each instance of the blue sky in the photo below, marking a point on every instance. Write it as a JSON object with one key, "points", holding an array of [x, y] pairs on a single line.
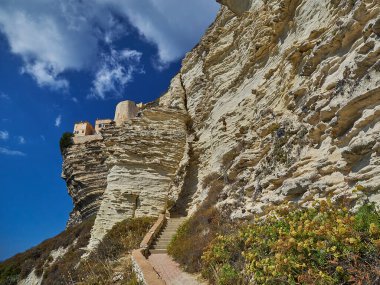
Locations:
{"points": [[63, 61]]}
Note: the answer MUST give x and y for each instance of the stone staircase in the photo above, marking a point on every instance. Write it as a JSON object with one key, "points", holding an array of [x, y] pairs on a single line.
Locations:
{"points": [[162, 241]]}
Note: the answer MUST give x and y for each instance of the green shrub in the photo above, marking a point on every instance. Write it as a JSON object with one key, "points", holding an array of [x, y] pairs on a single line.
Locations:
{"points": [[321, 245], [65, 141]]}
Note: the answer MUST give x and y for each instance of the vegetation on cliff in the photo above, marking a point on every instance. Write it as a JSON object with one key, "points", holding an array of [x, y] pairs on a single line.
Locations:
{"points": [[65, 141], [39, 257], [110, 263], [105, 265], [325, 244], [193, 236]]}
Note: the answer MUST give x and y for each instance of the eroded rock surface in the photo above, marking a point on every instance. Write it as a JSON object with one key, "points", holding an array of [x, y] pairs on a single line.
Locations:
{"points": [[143, 157], [130, 171], [279, 103], [284, 98], [85, 173]]}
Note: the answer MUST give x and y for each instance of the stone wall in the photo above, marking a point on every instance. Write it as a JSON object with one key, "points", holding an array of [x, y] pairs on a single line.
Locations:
{"points": [[125, 110]]}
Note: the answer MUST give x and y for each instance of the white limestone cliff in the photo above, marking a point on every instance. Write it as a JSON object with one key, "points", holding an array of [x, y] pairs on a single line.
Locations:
{"points": [[284, 98], [279, 103]]}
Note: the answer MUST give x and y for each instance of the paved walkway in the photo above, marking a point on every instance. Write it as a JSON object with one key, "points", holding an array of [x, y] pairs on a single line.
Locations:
{"points": [[170, 271]]}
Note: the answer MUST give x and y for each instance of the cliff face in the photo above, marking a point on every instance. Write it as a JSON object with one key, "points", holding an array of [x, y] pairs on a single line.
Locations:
{"points": [[284, 96], [129, 169], [143, 158], [85, 173], [278, 103]]}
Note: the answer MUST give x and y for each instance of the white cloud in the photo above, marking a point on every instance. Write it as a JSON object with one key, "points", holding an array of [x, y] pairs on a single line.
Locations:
{"points": [[48, 39], [21, 140], [4, 135], [43, 138], [55, 36], [173, 26], [115, 73], [58, 121], [75, 99], [7, 151], [45, 75]]}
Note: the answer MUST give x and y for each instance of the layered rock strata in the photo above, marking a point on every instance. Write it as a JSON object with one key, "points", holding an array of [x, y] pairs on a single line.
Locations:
{"points": [[144, 155], [85, 173], [284, 97], [279, 103], [130, 170]]}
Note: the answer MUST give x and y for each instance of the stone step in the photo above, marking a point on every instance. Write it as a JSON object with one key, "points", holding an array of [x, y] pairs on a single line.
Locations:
{"points": [[171, 228], [161, 244], [153, 251], [168, 237], [174, 224], [171, 232], [160, 247], [164, 238]]}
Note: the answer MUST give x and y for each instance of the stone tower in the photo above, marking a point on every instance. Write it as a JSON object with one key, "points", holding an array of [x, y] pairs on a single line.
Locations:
{"points": [[124, 111]]}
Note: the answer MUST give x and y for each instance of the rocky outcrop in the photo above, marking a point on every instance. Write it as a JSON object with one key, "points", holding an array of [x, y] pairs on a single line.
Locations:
{"points": [[85, 173], [144, 155], [279, 103], [129, 170], [237, 6], [284, 98]]}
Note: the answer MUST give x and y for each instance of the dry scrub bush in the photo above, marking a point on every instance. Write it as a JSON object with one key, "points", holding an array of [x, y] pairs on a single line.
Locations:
{"points": [[192, 238], [38, 257]]}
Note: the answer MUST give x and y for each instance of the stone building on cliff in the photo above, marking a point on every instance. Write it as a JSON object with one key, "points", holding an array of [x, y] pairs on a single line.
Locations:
{"points": [[125, 111], [83, 129]]}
